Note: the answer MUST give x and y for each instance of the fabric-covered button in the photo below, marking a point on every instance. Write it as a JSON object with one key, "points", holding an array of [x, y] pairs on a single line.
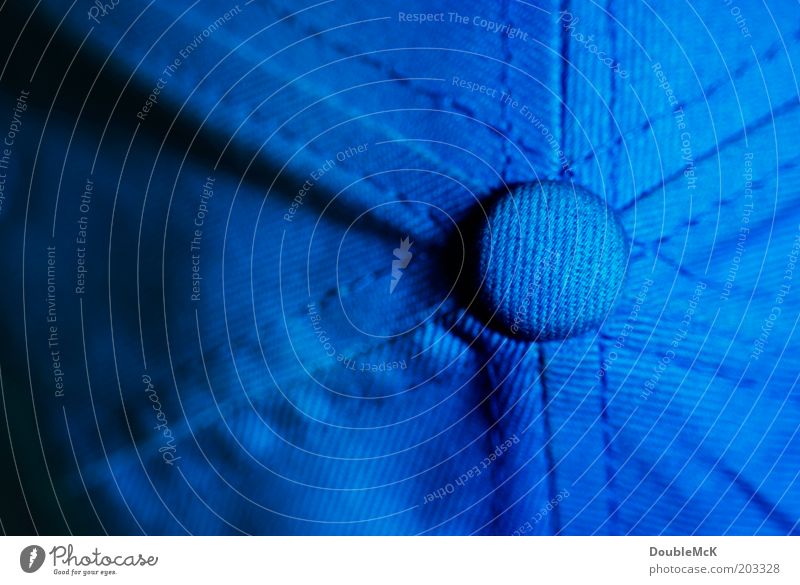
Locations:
{"points": [[552, 259]]}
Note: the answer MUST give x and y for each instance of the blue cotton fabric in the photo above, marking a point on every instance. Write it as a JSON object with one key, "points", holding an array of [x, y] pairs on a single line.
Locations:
{"points": [[669, 411], [552, 261]]}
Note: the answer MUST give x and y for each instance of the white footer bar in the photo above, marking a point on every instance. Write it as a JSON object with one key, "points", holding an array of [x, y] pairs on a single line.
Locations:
{"points": [[400, 560]]}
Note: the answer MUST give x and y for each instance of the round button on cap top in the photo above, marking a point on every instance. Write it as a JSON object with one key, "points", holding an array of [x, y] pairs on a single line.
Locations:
{"points": [[552, 260]]}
